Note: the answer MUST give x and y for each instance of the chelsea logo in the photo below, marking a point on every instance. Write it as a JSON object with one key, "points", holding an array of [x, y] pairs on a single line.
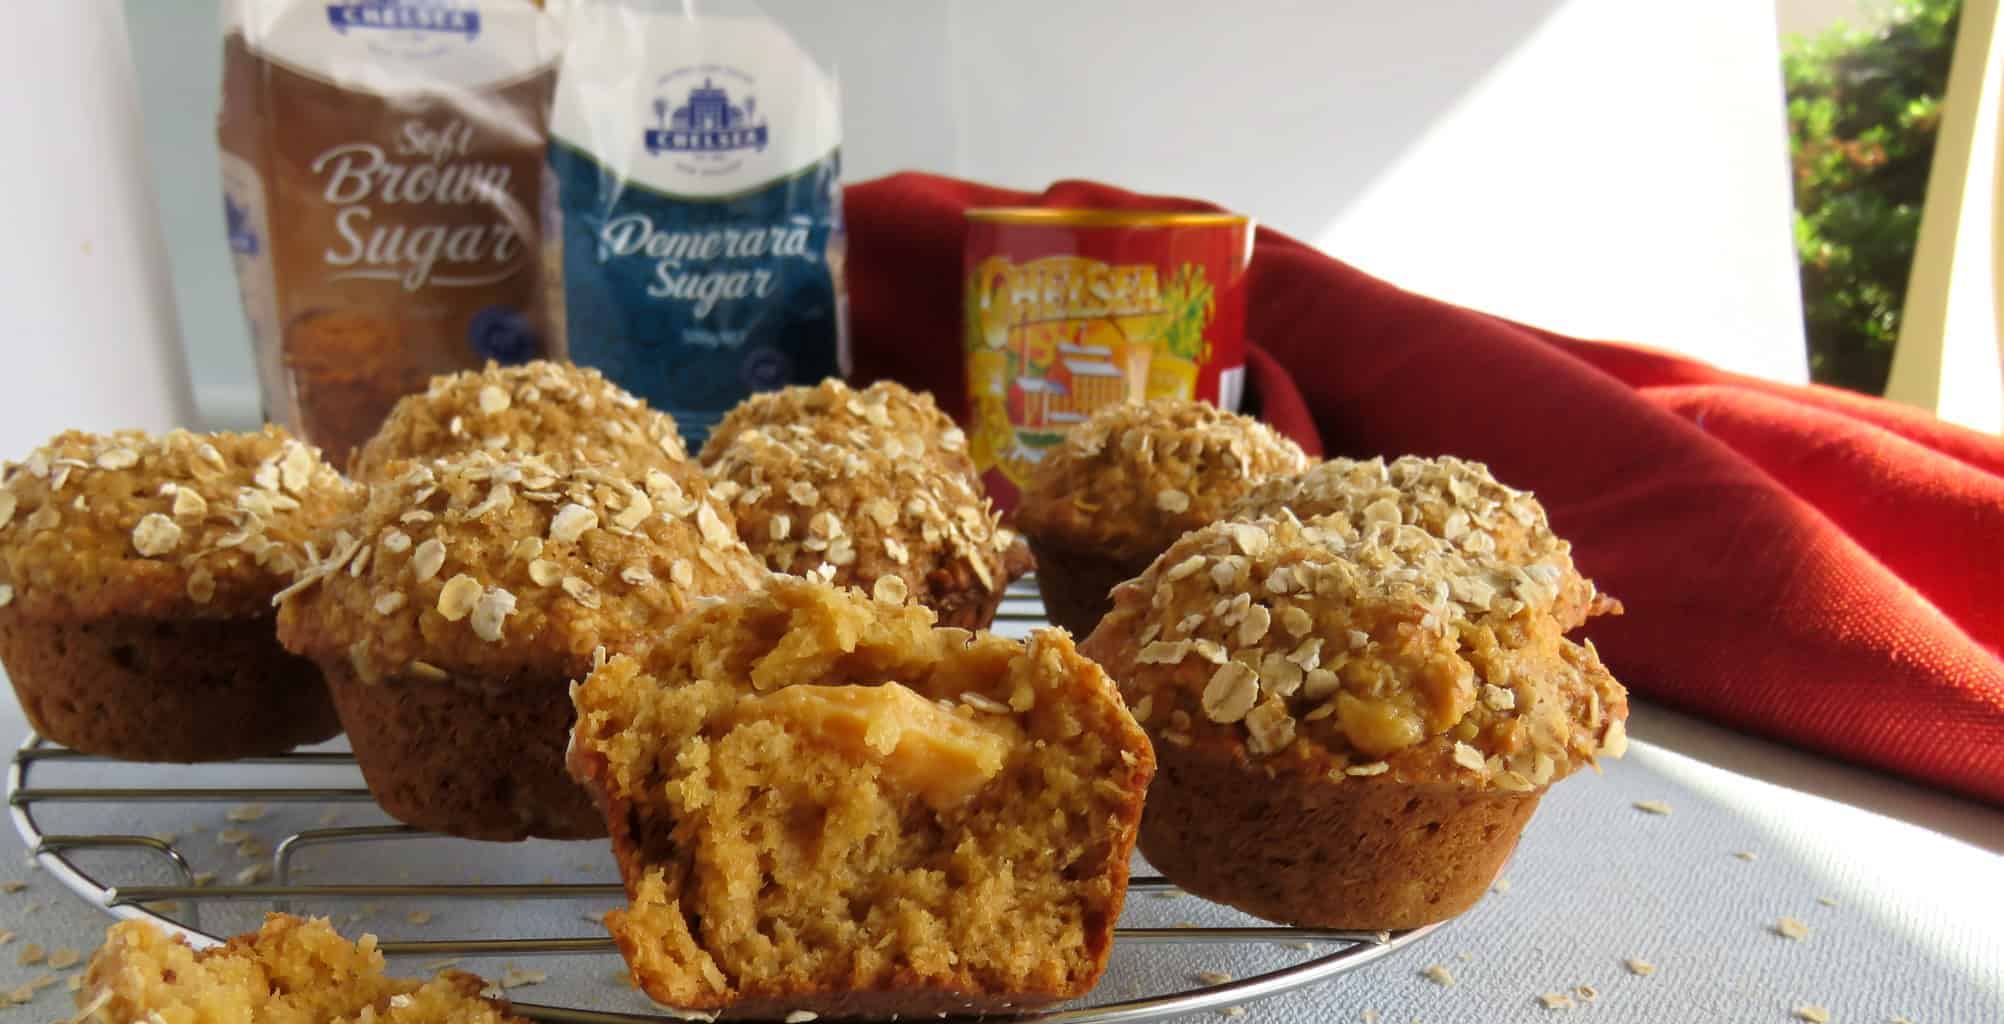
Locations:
{"points": [[434, 16], [707, 122]]}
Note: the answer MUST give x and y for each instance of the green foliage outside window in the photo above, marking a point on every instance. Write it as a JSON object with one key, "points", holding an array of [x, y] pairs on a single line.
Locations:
{"points": [[1862, 112]]}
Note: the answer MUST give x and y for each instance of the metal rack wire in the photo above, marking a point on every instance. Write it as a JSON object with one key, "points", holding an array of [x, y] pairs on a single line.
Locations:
{"points": [[177, 906]]}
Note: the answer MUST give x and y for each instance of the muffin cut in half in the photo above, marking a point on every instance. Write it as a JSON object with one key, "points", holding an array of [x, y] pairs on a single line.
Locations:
{"points": [[820, 802], [136, 577], [541, 407], [290, 971], [454, 609], [1353, 726], [1129, 481]]}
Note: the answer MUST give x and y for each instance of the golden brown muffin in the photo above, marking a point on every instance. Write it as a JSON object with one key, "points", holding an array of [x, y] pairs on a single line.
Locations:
{"points": [[457, 605], [290, 971], [880, 516], [858, 416], [136, 577], [1129, 481], [1353, 726], [548, 408], [1454, 499], [821, 802]]}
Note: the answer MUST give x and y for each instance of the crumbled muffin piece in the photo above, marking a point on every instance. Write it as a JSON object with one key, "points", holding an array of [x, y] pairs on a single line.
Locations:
{"points": [[1338, 648], [821, 802], [188, 525], [549, 408], [290, 971], [1454, 499], [863, 418], [1136, 476], [880, 516], [511, 565]]}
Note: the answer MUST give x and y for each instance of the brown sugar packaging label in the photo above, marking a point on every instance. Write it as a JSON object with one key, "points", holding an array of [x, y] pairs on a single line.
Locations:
{"points": [[382, 169]]}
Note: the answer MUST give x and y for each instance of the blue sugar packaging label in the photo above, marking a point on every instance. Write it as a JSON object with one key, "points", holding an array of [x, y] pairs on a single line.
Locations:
{"points": [[695, 212]]}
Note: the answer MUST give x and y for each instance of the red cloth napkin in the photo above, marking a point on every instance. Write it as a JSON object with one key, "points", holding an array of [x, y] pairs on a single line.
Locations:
{"points": [[1798, 562]]}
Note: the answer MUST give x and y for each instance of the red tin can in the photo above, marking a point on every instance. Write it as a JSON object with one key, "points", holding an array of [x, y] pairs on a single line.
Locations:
{"points": [[1069, 310]]}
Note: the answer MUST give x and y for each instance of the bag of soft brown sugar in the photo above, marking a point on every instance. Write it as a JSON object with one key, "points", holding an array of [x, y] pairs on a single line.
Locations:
{"points": [[382, 175]]}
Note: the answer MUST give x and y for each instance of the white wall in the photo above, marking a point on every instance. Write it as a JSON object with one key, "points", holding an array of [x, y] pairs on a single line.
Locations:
{"points": [[90, 338], [1602, 167]]}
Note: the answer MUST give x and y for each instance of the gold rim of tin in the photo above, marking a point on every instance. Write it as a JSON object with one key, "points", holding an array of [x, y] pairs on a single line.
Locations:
{"points": [[1095, 218]]}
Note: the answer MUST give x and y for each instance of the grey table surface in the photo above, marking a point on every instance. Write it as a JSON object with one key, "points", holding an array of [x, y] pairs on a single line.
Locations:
{"points": [[1901, 890]]}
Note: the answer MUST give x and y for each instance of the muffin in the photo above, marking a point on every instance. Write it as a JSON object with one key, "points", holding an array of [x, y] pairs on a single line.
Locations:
{"points": [[136, 580], [289, 971], [1353, 726], [1129, 481], [880, 516], [859, 416], [460, 601], [819, 802], [1454, 499], [550, 408]]}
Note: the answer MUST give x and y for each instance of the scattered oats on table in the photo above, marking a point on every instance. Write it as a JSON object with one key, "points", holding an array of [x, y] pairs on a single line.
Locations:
{"points": [[1586, 993], [1652, 807], [1439, 975], [801, 1016], [516, 977], [1232, 1011], [1211, 977], [1747, 855], [1501, 886], [65, 958], [31, 954], [12, 887], [1828, 901], [253, 875], [246, 813], [1638, 967], [1556, 1001], [1790, 928], [418, 917], [1812, 1013]]}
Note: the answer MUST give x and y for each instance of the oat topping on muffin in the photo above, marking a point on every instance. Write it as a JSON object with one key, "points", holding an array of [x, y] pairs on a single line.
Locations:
{"points": [[879, 516], [1136, 476], [203, 525], [1384, 650], [550, 408], [1454, 499], [512, 565], [883, 413]]}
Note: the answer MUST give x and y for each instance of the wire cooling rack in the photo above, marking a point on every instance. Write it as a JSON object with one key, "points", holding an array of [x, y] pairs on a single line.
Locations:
{"points": [[205, 850]]}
